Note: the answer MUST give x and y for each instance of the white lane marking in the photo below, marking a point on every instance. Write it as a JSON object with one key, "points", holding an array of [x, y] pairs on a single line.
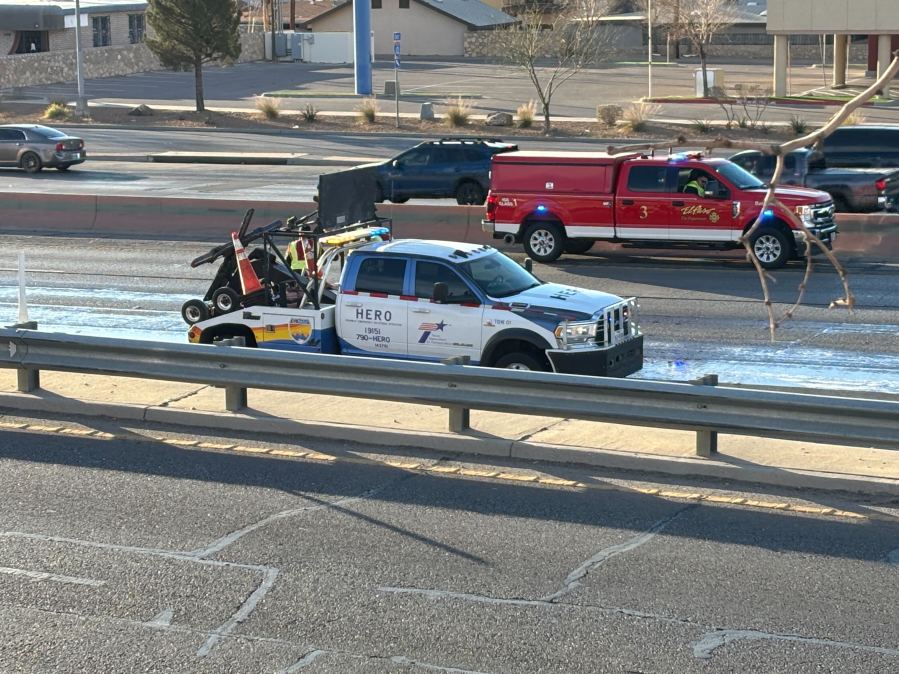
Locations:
{"points": [[403, 660], [35, 576], [573, 580], [306, 660], [228, 539], [162, 619], [711, 641], [242, 613], [476, 598]]}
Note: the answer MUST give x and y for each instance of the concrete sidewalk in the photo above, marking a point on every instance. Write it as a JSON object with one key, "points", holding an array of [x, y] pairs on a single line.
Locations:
{"points": [[524, 437]]}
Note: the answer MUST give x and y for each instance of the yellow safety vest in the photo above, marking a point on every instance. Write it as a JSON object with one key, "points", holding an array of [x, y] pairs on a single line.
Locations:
{"points": [[700, 190], [295, 256]]}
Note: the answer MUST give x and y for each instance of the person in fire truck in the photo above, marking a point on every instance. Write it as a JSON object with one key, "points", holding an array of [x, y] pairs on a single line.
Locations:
{"points": [[697, 184]]}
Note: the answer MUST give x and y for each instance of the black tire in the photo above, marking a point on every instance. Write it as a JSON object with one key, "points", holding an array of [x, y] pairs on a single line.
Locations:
{"points": [[63, 167], [771, 248], [225, 300], [543, 241], [469, 193], [399, 200], [30, 162], [194, 311], [578, 246], [521, 360]]}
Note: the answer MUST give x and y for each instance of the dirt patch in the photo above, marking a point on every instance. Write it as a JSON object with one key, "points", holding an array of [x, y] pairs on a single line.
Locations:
{"points": [[25, 113]]}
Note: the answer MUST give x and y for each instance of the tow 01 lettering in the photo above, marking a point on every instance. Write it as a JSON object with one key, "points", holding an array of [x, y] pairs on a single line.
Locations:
{"points": [[374, 315]]}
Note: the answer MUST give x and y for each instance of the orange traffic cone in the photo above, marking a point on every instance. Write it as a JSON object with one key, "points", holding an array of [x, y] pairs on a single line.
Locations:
{"points": [[248, 279]]}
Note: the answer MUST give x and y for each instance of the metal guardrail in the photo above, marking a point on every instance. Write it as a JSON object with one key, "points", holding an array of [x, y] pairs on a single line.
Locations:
{"points": [[703, 407]]}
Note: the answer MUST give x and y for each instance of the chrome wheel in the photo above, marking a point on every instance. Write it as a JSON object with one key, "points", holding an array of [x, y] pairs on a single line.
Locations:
{"points": [[542, 242], [767, 248]]}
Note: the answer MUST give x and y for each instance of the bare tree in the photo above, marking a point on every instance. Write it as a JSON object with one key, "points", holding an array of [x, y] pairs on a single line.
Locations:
{"points": [[815, 138], [553, 47], [699, 21]]}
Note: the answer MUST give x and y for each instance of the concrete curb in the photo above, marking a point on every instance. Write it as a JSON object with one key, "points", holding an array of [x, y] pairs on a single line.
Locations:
{"points": [[237, 159], [470, 444]]}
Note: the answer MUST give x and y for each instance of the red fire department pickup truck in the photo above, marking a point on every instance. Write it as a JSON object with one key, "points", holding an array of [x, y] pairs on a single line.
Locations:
{"points": [[565, 201]]}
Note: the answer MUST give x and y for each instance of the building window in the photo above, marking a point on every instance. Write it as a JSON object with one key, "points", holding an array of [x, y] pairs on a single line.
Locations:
{"points": [[376, 4], [100, 26], [136, 28], [404, 4]]}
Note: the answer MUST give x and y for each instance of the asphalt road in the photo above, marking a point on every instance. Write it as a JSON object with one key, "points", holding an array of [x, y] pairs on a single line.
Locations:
{"points": [[490, 86], [135, 554], [702, 314]]}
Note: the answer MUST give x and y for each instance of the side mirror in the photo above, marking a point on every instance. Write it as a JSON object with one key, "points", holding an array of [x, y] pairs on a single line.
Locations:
{"points": [[396, 163], [440, 293], [528, 265]]}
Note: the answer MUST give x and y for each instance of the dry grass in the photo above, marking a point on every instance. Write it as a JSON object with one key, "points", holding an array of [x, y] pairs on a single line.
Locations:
{"points": [[368, 110], [525, 114], [56, 111], [635, 117], [269, 107], [458, 112]]}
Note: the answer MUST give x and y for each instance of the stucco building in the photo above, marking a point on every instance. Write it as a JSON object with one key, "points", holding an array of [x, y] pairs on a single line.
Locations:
{"points": [[841, 18], [428, 27]]}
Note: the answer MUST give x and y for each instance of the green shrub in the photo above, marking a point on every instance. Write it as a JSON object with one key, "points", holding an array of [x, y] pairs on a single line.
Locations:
{"points": [[743, 122], [702, 126], [310, 113], [269, 107], [798, 125], [368, 110], [56, 110], [525, 113], [457, 112]]}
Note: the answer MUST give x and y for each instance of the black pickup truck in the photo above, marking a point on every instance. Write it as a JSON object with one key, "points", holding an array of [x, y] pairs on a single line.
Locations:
{"points": [[854, 190]]}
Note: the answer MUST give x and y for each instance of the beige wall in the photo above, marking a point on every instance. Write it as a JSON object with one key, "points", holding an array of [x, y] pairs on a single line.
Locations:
{"points": [[424, 31], [833, 16]]}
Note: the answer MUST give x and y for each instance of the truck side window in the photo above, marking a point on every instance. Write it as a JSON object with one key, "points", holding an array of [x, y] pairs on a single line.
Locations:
{"points": [[429, 273], [646, 179], [381, 275]]}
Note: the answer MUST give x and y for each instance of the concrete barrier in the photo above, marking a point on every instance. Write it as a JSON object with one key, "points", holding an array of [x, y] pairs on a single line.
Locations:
{"points": [[862, 238]]}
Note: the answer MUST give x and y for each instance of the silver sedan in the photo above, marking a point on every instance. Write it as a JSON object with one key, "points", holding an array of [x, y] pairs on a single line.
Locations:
{"points": [[32, 147]]}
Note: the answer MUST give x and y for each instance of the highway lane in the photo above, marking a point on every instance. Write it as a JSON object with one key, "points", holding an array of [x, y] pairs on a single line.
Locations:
{"points": [[140, 554], [701, 314]]}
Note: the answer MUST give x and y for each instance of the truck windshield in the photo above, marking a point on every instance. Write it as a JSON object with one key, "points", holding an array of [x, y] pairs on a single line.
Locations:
{"points": [[739, 177], [498, 275]]}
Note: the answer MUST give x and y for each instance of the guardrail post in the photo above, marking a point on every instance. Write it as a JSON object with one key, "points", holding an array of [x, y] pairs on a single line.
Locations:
{"points": [[707, 441], [235, 396], [459, 417], [28, 380]]}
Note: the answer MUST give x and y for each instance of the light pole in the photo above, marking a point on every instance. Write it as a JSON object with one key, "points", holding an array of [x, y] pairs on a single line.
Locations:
{"points": [[649, 31], [79, 70]]}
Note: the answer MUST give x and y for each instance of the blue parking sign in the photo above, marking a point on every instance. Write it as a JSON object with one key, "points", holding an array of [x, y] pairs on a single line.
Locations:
{"points": [[396, 37], [396, 49]]}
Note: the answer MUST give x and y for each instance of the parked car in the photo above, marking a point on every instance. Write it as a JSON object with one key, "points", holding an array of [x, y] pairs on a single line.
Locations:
{"points": [[32, 147], [862, 146], [854, 190], [437, 169]]}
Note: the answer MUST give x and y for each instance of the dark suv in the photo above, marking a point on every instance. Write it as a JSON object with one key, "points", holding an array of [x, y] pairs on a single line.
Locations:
{"points": [[436, 169]]}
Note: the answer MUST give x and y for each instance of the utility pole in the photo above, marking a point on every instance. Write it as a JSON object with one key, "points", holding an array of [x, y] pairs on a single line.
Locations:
{"points": [[80, 107], [649, 31], [272, 26]]}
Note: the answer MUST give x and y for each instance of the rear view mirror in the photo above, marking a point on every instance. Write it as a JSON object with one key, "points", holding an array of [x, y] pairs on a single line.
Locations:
{"points": [[440, 293]]}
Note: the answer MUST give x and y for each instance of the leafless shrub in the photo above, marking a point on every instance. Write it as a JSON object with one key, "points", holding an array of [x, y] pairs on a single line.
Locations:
{"points": [[608, 115], [754, 99]]}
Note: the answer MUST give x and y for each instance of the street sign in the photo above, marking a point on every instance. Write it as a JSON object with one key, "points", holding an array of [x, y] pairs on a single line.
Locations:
{"points": [[396, 60], [396, 49], [396, 37]]}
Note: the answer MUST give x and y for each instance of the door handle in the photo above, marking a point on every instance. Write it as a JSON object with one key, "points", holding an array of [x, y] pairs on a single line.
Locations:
{"points": [[354, 304], [627, 202], [677, 203], [421, 311]]}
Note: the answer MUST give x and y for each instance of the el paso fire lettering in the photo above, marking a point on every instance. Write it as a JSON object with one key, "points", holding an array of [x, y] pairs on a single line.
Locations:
{"points": [[697, 212]]}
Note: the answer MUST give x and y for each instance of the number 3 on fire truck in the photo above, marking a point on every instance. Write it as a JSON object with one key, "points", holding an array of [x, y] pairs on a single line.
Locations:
{"points": [[644, 212]]}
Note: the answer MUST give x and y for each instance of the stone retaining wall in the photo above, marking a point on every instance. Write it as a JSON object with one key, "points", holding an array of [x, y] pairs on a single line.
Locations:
{"points": [[25, 70]]}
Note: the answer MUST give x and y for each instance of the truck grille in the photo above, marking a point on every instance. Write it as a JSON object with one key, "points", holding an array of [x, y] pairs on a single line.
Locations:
{"points": [[822, 214], [618, 323]]}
